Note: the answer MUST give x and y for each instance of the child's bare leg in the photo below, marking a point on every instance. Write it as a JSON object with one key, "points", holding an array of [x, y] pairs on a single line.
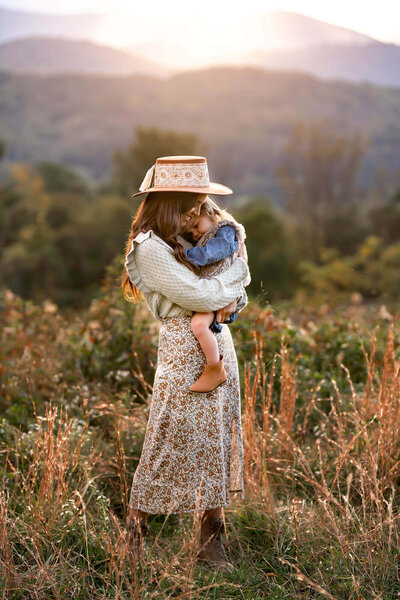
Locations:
{"points": [[200, 324]]}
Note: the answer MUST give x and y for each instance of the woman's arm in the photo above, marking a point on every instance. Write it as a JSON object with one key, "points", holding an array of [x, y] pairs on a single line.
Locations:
{"points": [[162, 273], [241, 301], [243, 254], [223, 244], [243, 251]]}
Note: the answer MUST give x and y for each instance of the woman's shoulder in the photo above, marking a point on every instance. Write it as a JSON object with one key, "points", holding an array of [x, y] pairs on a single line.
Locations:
{"points": [[144, 245], [143, 235], [149, 239], [149, 234]]}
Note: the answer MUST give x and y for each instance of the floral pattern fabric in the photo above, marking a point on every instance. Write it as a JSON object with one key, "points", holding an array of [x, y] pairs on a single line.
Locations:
{"points": [[193, 448]]}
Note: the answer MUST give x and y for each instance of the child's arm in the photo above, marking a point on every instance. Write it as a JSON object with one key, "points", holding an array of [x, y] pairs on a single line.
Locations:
{"points": [[223, 244]]}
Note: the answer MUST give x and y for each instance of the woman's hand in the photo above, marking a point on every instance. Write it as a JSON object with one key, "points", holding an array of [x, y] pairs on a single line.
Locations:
{"points": [[242, 251], [223, 313]]}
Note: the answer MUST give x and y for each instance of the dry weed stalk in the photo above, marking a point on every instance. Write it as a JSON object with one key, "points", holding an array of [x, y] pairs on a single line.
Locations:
{"points": [[35, 550], [348, 474], [288, 389]]}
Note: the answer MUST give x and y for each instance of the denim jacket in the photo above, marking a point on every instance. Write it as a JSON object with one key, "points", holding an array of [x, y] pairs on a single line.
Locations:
{"points": [[220, 246], [223, 244]]}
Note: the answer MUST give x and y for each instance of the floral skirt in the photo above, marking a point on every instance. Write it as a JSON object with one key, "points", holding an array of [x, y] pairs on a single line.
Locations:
{"points": [[192, 452]]}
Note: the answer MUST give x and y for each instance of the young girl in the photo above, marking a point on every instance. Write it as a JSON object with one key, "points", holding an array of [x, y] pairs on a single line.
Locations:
{"points": [[219, 240]]}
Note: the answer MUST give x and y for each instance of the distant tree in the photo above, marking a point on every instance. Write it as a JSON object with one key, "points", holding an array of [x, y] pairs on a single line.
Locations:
{"points": [[60, 178], [319, 174], [2, 149], [385, 220], [90, 242], [131, 165], [373, 271], [29, 261], [32, 264], [20, 202], [56, 244], [271, 254]]}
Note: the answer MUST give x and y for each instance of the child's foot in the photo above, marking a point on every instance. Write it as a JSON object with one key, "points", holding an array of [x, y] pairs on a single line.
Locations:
{"points": [[213, 376]]}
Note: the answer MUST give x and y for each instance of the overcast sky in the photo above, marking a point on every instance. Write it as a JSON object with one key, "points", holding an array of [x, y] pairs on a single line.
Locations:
{"points": [[377, 19]]}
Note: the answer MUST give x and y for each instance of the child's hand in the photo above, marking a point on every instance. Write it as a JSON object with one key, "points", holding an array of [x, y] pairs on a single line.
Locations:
{"points": [[224, 313]]}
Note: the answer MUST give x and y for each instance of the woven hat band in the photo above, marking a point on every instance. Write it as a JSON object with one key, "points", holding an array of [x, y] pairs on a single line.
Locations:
{"points": [[181, 174]]}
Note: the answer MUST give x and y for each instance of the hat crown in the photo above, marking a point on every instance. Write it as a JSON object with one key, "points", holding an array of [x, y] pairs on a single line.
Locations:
{"points": [[181, 171]]}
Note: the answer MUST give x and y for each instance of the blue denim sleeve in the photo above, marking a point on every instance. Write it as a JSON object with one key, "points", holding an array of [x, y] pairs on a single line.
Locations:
{"points": [[223, 244]]}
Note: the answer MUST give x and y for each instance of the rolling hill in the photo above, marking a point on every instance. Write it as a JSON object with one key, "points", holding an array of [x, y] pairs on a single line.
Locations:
{"points": [[55, 55], [281, 40], [374, 62], [243, 114], [16, 24]]}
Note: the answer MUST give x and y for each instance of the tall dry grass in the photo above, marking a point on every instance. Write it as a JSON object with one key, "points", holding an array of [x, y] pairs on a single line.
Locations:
{"points": [[325, 474], [337, 483], [59, 538]]}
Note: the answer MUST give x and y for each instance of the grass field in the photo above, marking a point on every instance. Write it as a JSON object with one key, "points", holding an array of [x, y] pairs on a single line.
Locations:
{"points": [[320, 415]]}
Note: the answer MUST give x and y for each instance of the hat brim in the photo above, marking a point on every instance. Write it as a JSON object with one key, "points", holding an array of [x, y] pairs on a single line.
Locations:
{"points": [[213, 188]]}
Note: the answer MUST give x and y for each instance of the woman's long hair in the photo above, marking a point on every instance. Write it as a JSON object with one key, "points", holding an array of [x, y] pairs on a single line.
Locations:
{"points": [[161, 212]]}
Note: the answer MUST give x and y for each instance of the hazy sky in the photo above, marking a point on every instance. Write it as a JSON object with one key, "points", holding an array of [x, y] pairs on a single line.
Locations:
{"points": [[378, 19]]}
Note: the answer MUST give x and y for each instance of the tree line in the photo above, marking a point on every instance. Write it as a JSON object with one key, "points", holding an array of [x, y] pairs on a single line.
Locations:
{"points": [[58, 233]]}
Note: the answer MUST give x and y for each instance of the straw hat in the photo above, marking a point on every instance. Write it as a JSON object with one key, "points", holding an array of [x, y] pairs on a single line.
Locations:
{"points": [[181, 174]]}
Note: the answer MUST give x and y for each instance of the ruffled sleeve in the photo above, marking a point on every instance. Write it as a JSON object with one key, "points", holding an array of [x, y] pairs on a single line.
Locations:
{"points": [[130, 262]]}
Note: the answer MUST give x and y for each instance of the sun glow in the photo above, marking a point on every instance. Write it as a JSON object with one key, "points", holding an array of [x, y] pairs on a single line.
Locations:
{"points": [[215, 21], [212, 18]]}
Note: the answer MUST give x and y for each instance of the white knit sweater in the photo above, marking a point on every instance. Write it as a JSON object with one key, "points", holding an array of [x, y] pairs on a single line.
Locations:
{"points": [[171, 289]]}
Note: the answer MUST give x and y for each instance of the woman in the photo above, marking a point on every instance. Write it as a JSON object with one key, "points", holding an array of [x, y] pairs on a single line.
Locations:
{"points": [[192, 455]]}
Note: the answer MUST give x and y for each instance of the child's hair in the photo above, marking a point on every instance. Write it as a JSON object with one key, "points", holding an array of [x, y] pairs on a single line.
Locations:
{"points": [[213, 211]]}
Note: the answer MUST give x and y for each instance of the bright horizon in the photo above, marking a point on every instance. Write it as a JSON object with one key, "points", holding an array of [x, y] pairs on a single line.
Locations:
{"points": [[378, 20]]}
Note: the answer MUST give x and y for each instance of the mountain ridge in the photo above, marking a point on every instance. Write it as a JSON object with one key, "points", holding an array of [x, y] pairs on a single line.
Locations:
{"points": [[376, 62], [60, 55], [279, 40], [86, 118]]}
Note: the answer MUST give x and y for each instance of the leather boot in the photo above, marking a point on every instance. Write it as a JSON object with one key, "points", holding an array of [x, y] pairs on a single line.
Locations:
{"points": [[135, 540], [213, 376], [210, 547]]}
